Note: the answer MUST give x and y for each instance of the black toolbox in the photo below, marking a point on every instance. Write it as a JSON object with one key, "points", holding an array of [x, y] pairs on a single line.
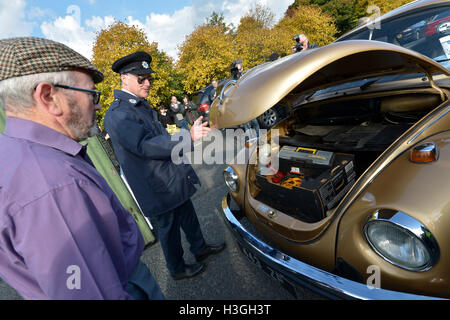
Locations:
{"points": [[321, 188]]}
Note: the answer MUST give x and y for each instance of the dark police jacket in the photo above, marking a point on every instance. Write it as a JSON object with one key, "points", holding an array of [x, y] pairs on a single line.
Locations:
{"points": [[144, 150]]}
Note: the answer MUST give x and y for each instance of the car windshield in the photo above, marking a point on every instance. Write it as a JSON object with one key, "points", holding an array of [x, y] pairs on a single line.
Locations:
{"points": [[427, 32], [424, 31]]}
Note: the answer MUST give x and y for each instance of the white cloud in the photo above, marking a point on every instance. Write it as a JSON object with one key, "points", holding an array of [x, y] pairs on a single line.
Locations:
{"points": [[12, 19], [36, 13], [98, 23], [68, 30], [169, 31]]}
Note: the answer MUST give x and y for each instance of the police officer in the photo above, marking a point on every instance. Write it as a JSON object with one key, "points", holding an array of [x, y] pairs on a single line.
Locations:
{"points": [[144, 149]]}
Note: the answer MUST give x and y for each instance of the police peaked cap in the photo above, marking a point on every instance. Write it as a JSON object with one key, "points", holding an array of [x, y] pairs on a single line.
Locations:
{"points": [[136, 63]]}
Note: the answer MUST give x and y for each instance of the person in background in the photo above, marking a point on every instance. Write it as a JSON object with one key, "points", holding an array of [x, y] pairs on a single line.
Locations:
{"points": [[177, 112], [274, 56], [236, 69], [164, 117], [213, 93], [252, 127], [64, 234], [302, 43], [144, 149], [190, 110]]}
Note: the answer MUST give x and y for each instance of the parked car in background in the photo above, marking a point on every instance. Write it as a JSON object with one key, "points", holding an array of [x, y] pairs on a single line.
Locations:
{"points": [[202, 99], [439, 24], [412, 33], [272, 116], [351, 191], [266, 120]]}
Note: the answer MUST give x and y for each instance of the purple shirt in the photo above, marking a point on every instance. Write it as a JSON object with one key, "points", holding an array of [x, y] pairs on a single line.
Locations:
{"points": [[63, 232]]}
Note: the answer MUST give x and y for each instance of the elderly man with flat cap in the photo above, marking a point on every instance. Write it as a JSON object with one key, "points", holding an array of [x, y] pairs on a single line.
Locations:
{"points": [[63, 232], [144, 150]]}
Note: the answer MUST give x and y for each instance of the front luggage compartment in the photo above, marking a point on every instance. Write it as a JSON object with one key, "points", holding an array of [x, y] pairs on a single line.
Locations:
{"points": [[355, 132]]}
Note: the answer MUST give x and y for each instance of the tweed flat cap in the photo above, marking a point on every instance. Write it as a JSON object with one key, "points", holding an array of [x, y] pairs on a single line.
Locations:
{"points": [[29, 55]]}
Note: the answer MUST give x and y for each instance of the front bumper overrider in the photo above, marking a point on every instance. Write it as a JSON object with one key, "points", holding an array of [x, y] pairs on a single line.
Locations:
{"points": [[297, 273]]}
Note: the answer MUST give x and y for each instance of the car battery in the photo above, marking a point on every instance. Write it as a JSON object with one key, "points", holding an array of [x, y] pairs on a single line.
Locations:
{"points": [[310, 161], [311, 198]]}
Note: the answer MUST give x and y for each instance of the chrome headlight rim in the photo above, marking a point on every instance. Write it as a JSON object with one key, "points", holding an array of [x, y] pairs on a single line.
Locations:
{"points": [[411, 226], [233, 175]]}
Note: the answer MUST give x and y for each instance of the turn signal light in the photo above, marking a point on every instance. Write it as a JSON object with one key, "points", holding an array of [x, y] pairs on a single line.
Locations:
{"points": [[425, 153]]}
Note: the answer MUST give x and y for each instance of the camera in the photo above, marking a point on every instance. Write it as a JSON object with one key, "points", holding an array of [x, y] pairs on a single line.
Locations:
{"points": [[298, 45]]}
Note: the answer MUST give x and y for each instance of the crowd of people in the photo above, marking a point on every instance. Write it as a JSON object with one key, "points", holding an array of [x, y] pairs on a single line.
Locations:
{"points": [[182, 114], [64, 233]]}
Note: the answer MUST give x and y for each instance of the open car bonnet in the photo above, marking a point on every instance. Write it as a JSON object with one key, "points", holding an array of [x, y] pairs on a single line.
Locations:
{"points": [[268, 84]]}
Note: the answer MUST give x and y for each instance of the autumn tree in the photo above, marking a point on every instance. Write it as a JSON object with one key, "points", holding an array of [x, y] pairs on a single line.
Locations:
{"points": [[386, 6], [205, 55], [208, 51], [346, 13], [217, 19], [119, 40], [254, 39]]}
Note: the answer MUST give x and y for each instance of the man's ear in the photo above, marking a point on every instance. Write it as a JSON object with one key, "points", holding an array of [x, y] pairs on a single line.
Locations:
{"points": [[47, 100], [123, 80]]}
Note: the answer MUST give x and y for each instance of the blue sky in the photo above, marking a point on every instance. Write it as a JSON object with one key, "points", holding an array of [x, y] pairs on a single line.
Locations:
{"points": [[75, 22]]}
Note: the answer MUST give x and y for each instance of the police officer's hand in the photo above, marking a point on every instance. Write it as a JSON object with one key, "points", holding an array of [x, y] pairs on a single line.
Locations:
{"points": [[199, 129]]}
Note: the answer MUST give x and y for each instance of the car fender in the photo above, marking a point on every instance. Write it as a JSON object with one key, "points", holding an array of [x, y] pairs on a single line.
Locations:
{"points": [[421, 190]]}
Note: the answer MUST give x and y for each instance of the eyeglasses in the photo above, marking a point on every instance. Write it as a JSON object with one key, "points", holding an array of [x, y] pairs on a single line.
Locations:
{"points": [[95, 94], [141, 79]]}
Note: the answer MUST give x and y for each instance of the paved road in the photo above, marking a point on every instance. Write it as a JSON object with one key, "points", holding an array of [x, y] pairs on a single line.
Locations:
{"points": [[228, 276]]}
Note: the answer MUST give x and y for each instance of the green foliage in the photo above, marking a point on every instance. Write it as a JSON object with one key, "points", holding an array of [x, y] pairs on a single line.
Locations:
{"points": [[254, 40], [346, 13], [218, 20], [119, 40], [386, 6]]}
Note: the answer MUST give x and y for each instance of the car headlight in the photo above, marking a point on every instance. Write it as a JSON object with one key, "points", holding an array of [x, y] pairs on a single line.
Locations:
{"points": [[231, 179], [402, 240]]}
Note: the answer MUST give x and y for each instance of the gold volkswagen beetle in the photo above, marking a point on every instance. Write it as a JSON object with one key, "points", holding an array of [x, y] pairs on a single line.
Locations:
{"points": [[350, 195]]}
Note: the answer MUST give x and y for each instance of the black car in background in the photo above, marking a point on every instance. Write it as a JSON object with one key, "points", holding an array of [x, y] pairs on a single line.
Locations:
{"points": [[201, 98], [266, 121]]}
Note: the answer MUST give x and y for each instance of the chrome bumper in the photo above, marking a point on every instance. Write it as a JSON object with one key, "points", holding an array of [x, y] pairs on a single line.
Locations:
{"points": [[302, 274]]}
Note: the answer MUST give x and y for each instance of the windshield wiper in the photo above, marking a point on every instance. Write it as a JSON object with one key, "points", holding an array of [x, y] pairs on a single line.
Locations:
{"points": [[367, 84], [309, 96], [443, 60]]}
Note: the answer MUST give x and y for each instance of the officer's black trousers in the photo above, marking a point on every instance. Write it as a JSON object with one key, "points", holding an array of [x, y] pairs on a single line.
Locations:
{"points": [[169, 230]]}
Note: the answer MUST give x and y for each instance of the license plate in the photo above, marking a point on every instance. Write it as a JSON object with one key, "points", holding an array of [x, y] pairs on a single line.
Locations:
{"points": [[285, 283]]}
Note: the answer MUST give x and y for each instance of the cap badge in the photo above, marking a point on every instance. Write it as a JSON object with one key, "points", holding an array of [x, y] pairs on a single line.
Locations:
{"points": [[145, 64]]}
